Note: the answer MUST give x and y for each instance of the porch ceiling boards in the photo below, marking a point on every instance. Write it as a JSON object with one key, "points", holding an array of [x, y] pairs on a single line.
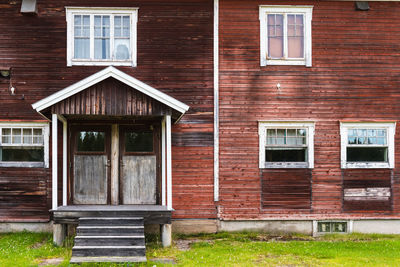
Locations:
{"points": [[152, 214]]}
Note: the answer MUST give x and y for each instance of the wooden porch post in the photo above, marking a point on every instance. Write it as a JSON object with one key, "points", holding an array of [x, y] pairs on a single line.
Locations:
{"points": [[114, 164], [169, 161], [163, 192], [64, 175], [54, 140]]}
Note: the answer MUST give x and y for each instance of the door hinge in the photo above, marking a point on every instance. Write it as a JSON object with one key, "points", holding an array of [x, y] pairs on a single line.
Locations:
{"points": [[108, 164]]}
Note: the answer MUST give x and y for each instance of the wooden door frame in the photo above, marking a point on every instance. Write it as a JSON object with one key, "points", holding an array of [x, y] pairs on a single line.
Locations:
{"points": [[74, 128], [156, 129]]}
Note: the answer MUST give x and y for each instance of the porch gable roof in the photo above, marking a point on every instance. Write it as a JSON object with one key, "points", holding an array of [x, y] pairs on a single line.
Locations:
{"points": [[102, 75]]}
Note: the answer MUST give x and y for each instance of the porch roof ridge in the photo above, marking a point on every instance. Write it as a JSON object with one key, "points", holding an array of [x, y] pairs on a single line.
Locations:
{"points": [[102, 75]]}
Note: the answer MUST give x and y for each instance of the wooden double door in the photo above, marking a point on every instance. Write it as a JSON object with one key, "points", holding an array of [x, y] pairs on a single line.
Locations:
{"points": [[92, 157]]}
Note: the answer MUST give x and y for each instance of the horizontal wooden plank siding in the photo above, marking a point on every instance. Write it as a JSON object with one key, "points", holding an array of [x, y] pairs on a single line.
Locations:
{"points": [[286, 189], [355, 75], [367, 179], [24, 194], [174, 55]]}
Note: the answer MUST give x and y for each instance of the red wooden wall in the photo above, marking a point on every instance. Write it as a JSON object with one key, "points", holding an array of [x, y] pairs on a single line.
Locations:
{"points": [[174, 43], [355, 74]]}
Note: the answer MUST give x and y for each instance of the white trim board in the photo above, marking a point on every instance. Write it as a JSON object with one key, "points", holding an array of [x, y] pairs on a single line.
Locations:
{"points": [[102, 75]]}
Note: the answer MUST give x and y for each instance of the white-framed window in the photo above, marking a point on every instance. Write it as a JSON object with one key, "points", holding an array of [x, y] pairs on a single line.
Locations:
{"points": [[101, 36], [332, 226], [286, 144], [367, 145], [24, 144], [285, 35]]}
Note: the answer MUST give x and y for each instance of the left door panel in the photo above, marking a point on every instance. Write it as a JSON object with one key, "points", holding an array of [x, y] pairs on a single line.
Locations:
{"points": [[90, 165]]}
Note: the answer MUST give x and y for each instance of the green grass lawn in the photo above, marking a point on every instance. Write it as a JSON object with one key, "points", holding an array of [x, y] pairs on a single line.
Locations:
{"points": [[226, 249]]}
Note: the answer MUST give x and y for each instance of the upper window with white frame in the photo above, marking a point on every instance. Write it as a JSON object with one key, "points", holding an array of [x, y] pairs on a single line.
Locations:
{"points": [[286, 144], [367, 145], [98, 36], [285, 33], [24, 145]]}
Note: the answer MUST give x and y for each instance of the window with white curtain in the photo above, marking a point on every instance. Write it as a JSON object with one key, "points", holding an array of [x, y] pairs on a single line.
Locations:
{"points": [[285, 33], [101, 36]]}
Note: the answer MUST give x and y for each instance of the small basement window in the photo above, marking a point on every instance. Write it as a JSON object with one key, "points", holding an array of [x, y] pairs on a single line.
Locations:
{"points": [[286, 145], [367, 145], [24, 145], [332, 227]]}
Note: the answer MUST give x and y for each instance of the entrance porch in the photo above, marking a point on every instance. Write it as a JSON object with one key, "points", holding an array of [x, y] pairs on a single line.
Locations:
{"points": [[116, 151]]}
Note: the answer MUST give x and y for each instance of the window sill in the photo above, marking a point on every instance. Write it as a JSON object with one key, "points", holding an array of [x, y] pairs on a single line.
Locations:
{"points": [[366, 165], [22, 164], [101, 63], [283, 62], [284, 165]]}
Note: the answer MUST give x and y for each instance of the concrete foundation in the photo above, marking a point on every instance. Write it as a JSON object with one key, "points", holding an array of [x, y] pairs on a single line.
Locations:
{"points": [[303, 227], [377, 226], [166, 235], [59, 234], [194, 226], [31, 227]]}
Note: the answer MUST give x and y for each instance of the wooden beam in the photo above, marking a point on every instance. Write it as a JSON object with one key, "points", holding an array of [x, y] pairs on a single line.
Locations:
{"points": [[163, 192], [64, 162], [54, 161], [169, 161], [114, 164]]}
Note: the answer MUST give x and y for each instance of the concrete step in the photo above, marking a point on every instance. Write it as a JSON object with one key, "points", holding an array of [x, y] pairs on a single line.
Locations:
{"points": [[108, 259], [122, 221], [108, 251], [110, 240], [104, 230]]}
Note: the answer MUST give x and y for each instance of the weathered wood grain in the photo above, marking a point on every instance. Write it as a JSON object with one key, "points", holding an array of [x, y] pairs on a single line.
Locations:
{"points": [[90, 179], [138, 179]]}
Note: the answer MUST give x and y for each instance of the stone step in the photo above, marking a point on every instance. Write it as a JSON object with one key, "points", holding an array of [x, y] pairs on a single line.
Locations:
{"points": [[108, 259], [109, 230], [111, 221], [108, 251], [110, 240]]}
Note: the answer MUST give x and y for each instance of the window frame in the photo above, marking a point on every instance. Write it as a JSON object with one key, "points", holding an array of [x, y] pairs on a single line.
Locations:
{"points": [[390, 132], [264, 10], [31, 164], [101, 11], [262, 128]]}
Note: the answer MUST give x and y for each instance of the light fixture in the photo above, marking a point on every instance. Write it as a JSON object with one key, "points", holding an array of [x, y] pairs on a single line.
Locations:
{"points": [[12, 89], [278, 86], [5, 73]]}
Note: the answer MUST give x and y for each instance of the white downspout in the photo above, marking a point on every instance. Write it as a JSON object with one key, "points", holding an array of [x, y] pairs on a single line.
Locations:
{"points": [[216, 100]]}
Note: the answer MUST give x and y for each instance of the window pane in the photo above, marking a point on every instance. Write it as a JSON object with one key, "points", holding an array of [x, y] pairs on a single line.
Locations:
{"points": [[6, 136], [339, 227], [81, 48], [285, 155], [90, 141], [122, 49], [275, 36], [367, 154], [27, 136], [23, 154], [16, 136], [102, 48], [139, 142], [295, 36]]}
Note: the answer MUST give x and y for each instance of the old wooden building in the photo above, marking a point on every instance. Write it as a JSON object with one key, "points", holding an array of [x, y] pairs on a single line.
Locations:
{"points": [[206, 115]]}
